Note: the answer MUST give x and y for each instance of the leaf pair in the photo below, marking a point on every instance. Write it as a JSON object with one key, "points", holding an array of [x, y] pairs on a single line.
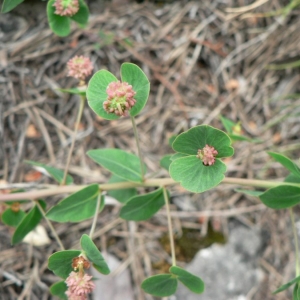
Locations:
{"points": [[188, 169], [61, 263], [164, 285], [130, 73]]}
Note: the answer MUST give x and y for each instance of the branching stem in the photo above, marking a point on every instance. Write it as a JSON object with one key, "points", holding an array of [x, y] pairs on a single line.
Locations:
{"points": [[79, 115], [95, 216], [171, 237], [50, 225]]}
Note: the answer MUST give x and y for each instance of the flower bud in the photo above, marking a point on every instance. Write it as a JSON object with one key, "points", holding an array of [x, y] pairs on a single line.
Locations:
{"points": [[67, 8], [80, 67]]}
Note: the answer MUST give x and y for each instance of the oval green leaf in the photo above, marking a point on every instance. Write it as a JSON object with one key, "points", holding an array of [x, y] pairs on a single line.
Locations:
{"points": [[82, 16], [93, 254], [8, 5], [287, 285], [162, 285], [58, 24], [280, 197], [96, 93], [123, 164], [192, 282], [76, 207], [132, 74], [28, 223], [121, 195], [60, 263], [286, 162], [196, 177], [166, 161], [55, 173], [12, 218], [143, 207], [59, 289], [196, 138]]}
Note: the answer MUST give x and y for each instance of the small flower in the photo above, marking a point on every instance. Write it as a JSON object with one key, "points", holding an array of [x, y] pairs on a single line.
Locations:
{"points": [[79, 286], [120, 98], [80, 263], [67, 8], [207, 155], [80, 67]]}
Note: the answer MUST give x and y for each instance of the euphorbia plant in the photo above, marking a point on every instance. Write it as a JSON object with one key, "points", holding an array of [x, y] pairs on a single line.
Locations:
{"points": [[196, 165]]}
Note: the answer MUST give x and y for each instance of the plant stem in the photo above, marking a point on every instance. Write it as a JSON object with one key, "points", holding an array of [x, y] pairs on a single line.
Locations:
{"points": [[296, 241], [171, 237], [96, 215], [50, 225], [138, 146], [155, 182], [79, 115]]}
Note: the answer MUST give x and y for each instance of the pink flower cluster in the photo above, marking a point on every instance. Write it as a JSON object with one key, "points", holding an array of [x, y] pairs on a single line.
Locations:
{"points": [[207, 155], [79, 286], [80, 67], [120, 98], [67, 8]]}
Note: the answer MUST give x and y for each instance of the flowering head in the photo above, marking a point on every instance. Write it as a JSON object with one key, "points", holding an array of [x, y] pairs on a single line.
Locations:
{"points": [[79, 284], [80, 67], [67, 8], [120, 98], [207, 155]]}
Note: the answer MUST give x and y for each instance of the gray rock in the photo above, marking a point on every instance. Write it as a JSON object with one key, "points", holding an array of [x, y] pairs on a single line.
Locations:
{"points": [[229, 271]]}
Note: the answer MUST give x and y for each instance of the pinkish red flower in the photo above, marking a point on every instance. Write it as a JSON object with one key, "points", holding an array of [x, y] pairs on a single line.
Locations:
{"points": [[80, 67], [120, 98], [67, 8], [79, 286], [207, 155]]}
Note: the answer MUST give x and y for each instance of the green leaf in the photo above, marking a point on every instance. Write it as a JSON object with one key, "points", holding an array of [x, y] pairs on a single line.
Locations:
{"points": [[143, 207], [280, 197], [287, 285], [286, 162], [177, 155], [59, 289], [249, 192], [162, 285], [96, 93], [28, 223], [296, 292], [291, 178], [76, 207], [192, 282], [93, 254], [121, 195], [123, 164], [171, 140], [194, 176], [228, 124], [132, 74], [56, 174], [166, 161], [196, 138], [60, 263], [8, 5], [12, 218], [58, 24], [75, 91], [82, 15]]}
